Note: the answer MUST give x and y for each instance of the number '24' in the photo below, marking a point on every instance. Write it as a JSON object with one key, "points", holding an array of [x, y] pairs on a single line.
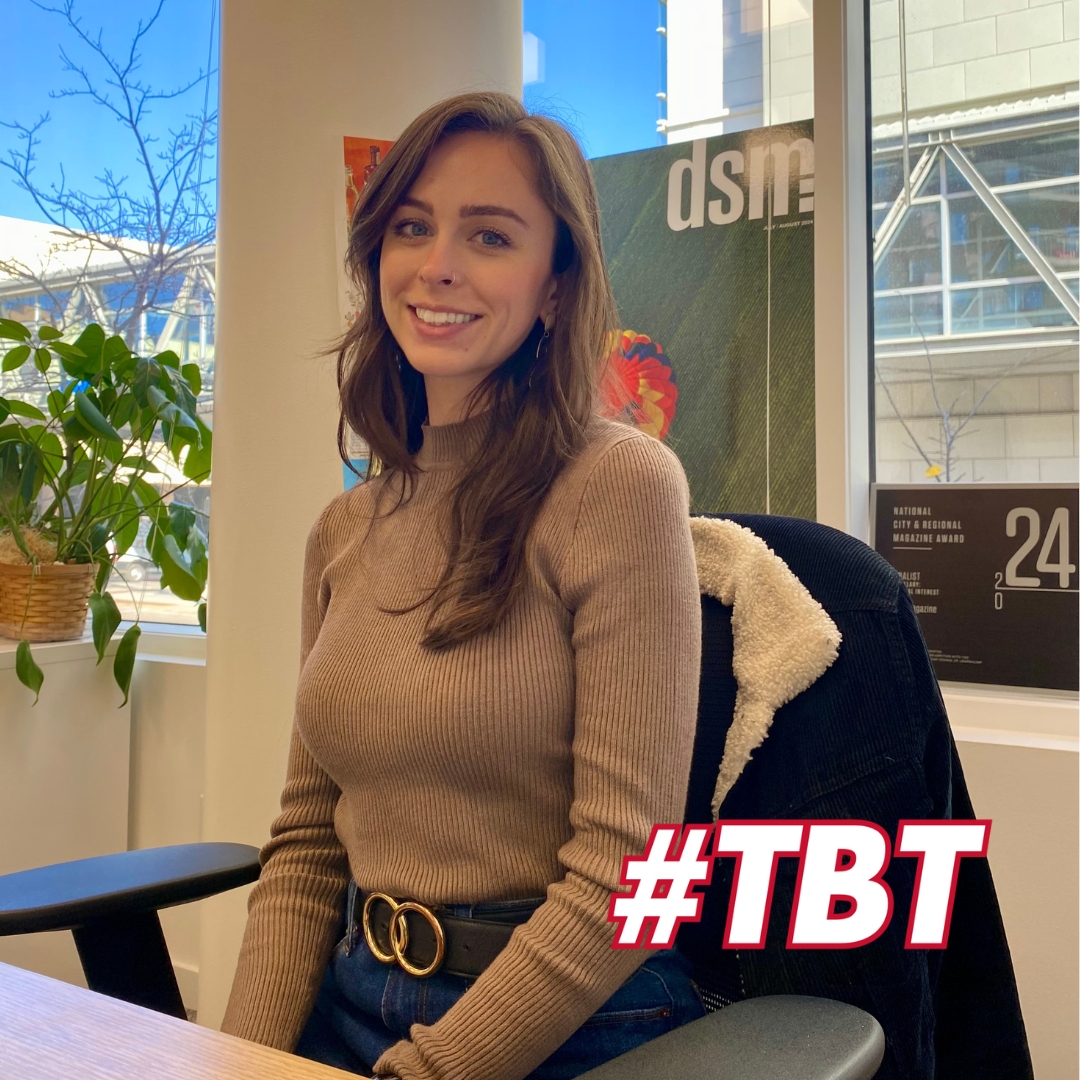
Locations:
{"points": [[1058, 532]]}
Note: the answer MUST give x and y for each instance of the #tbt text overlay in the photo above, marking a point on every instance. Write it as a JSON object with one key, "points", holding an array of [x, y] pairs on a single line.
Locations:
{"points": [[840, 863]]}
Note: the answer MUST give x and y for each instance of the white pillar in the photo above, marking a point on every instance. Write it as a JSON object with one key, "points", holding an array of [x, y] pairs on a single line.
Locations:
{"points": [[295, 78], [841, 336]]}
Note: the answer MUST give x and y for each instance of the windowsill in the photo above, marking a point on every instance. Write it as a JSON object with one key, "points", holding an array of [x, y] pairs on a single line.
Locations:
{"points": [[171, 643], [161, 643], [1014, 716]]}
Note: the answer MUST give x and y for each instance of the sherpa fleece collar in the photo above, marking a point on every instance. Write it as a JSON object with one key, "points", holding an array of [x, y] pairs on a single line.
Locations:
{"points": [[783, 640]]}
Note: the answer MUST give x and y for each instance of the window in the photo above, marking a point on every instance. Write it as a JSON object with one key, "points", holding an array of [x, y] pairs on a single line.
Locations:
{"points": [[93, 231], [674, 71], [974, 180]]}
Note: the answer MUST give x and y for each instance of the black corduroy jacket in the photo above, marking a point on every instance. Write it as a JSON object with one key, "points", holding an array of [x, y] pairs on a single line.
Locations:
{"points": [[857, 730]]}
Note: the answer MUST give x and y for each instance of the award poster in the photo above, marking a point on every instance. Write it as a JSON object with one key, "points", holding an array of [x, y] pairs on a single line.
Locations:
{"points": [[992, 572]]}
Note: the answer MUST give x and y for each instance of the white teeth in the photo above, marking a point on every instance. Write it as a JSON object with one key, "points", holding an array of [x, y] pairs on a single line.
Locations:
{"points": [[439, 318]]}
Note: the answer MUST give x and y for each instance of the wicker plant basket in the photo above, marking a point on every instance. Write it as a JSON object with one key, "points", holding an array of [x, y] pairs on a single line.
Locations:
{"points": [[46, 602]]}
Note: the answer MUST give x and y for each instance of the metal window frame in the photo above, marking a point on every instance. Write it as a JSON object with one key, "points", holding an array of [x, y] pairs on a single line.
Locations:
{"points": [[843, 279], [1013, 229], [946, 149]]}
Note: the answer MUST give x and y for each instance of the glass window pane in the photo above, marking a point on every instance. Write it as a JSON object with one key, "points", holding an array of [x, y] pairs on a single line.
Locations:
{"points": [[907, 316], [727, 70], [932, 184], [1008, 350], [611, 113], [1006, 307], [914, 256], [742, 68], [1020, 161], [888, 178], [145, 276], [954, 182], [979, 246], [1049, 216], [684, 70]]}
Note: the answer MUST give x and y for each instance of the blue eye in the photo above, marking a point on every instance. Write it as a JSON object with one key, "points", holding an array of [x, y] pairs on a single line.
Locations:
{"points": [[490, 238], [411, 228]]}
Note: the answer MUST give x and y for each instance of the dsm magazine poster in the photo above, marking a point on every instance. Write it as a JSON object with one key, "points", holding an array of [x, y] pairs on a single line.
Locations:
{"points": [[710, 247]]}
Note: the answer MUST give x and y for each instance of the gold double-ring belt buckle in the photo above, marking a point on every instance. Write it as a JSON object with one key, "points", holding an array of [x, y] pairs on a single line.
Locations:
{"points": [[399, 934]]}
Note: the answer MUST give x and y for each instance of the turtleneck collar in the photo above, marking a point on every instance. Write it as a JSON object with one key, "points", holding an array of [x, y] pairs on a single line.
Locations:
{"points": [[451, 444]]}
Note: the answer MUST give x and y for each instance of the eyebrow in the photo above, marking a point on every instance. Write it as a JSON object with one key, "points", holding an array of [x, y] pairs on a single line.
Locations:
{"points": [[471, 210], [493, 211]]}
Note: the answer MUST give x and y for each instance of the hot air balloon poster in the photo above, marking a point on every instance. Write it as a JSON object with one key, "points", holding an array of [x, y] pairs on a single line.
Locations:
{"points": [[710, 246]]}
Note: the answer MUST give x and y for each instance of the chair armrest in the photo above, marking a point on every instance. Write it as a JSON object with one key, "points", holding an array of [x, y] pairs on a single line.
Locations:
{"points": [[766, 1038], [69, 895]]}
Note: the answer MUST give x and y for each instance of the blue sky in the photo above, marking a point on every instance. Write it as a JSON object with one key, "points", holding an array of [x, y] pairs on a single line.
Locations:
{"points": [[81, 135], [602, 69], [602, 72]]}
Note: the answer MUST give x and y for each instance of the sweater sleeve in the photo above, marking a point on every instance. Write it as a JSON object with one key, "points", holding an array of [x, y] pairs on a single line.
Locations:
{"points": [[630, 582], [295, 909]]}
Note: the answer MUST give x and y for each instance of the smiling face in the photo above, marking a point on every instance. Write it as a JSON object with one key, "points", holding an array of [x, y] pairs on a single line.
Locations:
{"points": [[466, 266]]}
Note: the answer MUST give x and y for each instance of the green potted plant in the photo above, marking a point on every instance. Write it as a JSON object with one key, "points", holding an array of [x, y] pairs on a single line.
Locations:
{"points": [[77, 478]]}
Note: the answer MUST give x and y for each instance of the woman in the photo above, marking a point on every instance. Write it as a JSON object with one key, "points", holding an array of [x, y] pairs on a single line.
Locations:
{"points": [[500, 645]]}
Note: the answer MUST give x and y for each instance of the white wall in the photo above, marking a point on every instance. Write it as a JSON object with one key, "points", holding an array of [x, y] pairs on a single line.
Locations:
{"points": [[168, 752], [295, 78], [63, 779], [1031, 796], [81, 777]]}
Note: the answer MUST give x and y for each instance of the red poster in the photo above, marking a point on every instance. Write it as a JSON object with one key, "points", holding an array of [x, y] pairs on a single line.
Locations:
{"points": [[362, 157]]}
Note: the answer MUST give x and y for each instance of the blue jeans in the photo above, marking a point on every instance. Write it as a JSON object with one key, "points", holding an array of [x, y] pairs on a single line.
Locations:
{"points": [[365, 1006]]}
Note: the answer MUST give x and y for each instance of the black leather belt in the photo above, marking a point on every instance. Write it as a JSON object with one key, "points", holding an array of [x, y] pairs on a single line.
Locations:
{"points": [[423, 940]]}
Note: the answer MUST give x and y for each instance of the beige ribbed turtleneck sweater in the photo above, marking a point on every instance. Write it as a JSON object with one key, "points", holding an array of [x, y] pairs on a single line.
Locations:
{"points": [[526, 761]]}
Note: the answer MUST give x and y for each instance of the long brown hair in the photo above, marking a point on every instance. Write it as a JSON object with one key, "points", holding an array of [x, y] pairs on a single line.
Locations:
{"points": [[539, 400]]}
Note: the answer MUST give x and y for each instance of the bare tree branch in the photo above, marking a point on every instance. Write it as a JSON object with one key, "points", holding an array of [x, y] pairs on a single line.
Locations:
{"points": [[150, 223], [915, 445], [952, 430]]}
